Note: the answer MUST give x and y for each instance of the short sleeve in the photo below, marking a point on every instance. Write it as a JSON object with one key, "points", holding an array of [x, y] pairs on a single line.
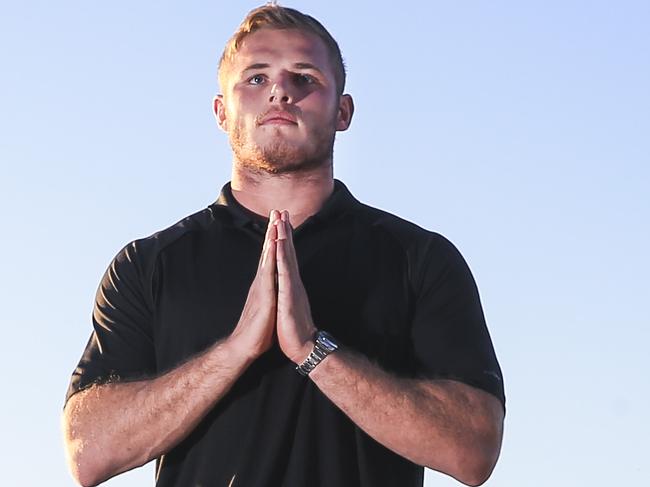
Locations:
{"points": [[449, 333], [121, 345]]}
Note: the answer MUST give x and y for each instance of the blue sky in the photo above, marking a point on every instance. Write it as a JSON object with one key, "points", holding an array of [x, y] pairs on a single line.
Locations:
{"points": [[519, 130]]}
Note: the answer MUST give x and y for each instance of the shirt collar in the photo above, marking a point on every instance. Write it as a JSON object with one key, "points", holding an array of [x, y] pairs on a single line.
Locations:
{"points": [[340, 201]]}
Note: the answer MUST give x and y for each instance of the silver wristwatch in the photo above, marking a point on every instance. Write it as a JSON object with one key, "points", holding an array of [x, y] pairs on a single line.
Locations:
{"points": [[325, 344]]}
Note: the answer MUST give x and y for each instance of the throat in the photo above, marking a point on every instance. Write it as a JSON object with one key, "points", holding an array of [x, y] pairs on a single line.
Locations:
{"points": [[302, 196]]}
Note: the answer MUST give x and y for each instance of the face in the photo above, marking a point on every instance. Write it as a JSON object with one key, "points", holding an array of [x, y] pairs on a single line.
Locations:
{"points": [[280, 105]]}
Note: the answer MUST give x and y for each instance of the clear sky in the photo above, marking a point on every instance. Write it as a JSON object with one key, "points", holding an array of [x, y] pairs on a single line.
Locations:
{"points": [[519, 130]]}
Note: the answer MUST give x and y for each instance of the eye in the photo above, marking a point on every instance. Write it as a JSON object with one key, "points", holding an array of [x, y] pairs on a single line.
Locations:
{"points": [[257, 79], [304, 79]]}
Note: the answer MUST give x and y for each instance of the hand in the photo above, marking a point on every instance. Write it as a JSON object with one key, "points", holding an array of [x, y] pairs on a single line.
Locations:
{"points": [[294, 323], [254, 332]]}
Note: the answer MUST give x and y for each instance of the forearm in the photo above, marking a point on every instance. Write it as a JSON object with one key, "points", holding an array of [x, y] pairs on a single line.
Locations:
{"points": [[115, 427], [444, 425]]}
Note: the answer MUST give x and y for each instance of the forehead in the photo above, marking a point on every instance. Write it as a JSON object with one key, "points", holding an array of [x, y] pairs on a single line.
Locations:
{"points": [[269, 45]]}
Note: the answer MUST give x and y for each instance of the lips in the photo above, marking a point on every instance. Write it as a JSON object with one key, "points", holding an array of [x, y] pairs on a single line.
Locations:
{"points": [[278, 117]]}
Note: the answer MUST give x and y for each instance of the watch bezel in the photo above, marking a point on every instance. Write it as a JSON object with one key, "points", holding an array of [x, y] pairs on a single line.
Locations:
{"points": [[327, 341], [324, 344]]}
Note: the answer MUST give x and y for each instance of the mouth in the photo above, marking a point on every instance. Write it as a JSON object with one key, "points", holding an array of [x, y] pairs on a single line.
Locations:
{"points": [[278, 118]]}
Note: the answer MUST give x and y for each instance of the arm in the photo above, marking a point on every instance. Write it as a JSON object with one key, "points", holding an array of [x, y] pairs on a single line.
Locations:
{"points": [[114, 427], [444, 425]]}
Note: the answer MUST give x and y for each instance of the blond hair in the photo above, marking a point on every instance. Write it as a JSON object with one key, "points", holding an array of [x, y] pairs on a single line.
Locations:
{"points": [[273, 16]]}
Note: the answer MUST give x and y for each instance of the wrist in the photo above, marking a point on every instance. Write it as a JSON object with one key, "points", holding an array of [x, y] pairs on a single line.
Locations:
{"points": [[302, 345], [324, 344], [305, 350], [240, 349]]}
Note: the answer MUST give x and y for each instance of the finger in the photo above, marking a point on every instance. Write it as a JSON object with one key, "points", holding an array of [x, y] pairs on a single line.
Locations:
{"points": [[290, 248], [288, 272], [268, 271], [283, 261], [274, 216], [282, 231], [281, 250], [269, 241]]}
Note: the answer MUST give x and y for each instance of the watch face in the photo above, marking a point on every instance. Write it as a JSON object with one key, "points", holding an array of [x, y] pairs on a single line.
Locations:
{"points": [[327, 341]]}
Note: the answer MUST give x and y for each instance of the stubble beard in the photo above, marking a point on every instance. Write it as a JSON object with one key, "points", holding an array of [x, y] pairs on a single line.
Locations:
{"points": [[281, 157]]}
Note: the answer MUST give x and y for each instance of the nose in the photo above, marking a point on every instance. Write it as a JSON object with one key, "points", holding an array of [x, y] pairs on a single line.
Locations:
{"points": [[280, 93]]}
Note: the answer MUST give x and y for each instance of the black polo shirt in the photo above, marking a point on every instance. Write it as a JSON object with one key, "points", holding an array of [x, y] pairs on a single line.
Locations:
{"points": [[401, 295]]}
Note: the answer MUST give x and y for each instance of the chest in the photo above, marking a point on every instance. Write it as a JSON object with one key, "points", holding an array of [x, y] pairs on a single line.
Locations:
{"points": [[358, 289]]}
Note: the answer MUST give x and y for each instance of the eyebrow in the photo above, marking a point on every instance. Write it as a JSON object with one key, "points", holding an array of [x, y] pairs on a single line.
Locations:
{"points": [[256, 66], [295, 65], [306, 66]]}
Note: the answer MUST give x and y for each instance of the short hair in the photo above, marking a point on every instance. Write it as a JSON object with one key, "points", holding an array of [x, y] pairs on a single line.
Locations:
{"points": [[274, 16]]}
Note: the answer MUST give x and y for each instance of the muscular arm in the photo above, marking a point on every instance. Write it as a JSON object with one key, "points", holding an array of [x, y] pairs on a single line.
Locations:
{"points": [[115, 427], [444, 425], [111, 428]]}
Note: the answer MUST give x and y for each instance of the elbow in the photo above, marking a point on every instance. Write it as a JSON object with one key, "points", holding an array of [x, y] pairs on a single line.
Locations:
{"points": [[93, 462], [476, 473], [472, 462], [475, 464], [87, 465], [469, 468], [84, 471], [91, 466], [85, 479], [469, 471]]}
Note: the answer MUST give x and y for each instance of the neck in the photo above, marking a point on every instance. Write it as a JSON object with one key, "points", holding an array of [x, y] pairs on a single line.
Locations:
{"points": [[302, 193]]}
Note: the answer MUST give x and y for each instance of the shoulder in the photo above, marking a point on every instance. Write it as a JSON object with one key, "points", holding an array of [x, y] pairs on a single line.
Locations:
{"points": [[143, 252], [430, 256], [411, 236]]}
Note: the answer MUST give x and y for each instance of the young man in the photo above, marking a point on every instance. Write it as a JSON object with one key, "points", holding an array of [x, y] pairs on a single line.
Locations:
{"points": [[324, 343]]}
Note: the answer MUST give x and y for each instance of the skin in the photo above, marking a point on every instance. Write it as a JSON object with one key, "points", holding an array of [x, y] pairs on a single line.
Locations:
{"points": [[281, 118], [282, 165]]}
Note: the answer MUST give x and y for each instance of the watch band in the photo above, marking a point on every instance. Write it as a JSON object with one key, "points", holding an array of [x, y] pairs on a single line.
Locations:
{"points": [[325, 344]]}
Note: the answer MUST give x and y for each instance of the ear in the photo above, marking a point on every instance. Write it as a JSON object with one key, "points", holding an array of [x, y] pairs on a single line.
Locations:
{"points": [[220, 112], [346, 110]]}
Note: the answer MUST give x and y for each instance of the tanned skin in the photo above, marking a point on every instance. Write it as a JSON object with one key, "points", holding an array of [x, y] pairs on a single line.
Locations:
{"points": [[281, 168]]}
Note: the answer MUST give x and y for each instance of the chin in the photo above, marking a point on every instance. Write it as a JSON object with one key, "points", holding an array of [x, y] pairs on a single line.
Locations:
{"points": [[283, 158]]}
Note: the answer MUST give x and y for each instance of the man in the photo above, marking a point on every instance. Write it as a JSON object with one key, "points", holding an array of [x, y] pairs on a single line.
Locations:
{"points": [[331, 344]]}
